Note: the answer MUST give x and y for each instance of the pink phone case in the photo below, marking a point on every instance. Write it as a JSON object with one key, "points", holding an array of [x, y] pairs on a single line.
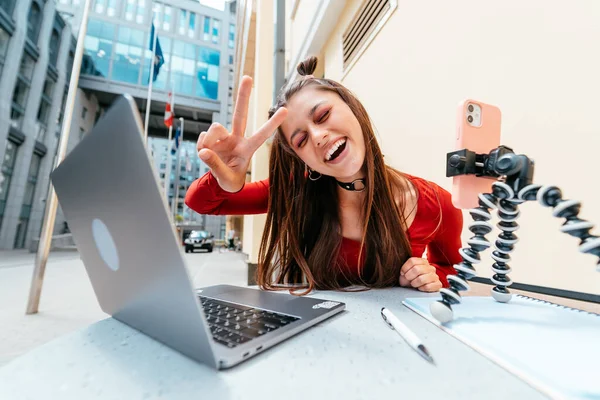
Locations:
{"points": [[480, 139]]}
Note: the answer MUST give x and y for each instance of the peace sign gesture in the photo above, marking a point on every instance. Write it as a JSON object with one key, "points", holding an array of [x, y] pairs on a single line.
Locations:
{"points": [[228, 154]]}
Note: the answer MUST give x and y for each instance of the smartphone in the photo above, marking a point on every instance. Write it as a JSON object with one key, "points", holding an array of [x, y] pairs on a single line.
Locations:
{"points": [[478, 130]]}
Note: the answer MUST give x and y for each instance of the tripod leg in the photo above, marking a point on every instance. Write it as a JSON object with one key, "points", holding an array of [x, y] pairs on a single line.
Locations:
{"points": [[551, 196], [442, 309], [508, 213]]}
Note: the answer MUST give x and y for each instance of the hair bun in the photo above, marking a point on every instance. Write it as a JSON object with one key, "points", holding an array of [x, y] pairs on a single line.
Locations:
{"points": [[308, 66]]}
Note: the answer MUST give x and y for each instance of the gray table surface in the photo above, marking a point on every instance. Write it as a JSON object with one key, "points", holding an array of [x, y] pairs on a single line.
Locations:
{"points": [[353, 355]]}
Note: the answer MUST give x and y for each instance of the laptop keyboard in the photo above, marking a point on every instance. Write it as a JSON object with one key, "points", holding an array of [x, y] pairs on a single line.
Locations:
{"points": [[233, 324]]}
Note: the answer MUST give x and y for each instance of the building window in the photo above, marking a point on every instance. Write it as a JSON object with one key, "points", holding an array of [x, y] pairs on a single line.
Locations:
{"points": [[62, 109], [81, 133], [8, 6], [192, 25], [111, 8], [21, 91], [84, 112], [215, 31], [231, 59], [231, 36], [206, 34], [182, 21], [6, 173], [99, 43], [207, 73], [182, 67], [46, 102], [23, 223], [157, 10], [33, 22], [128, 55], [4, 39], [99, 6], [53, 49], [167, 18], [70, 62], [141, 11], [130, 10]]}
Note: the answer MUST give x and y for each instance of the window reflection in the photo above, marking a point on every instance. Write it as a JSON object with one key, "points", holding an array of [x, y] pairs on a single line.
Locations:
{"points": [[192, 70], [98, 47], [128, 55], [215, 31], [207, 73], [182, 67]]}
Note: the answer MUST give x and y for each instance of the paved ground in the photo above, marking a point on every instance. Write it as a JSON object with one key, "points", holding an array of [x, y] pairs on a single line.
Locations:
{"points": [[68, 302]]}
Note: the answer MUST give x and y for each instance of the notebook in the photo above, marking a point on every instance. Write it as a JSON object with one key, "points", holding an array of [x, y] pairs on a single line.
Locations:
{"points": [[554, 348]]}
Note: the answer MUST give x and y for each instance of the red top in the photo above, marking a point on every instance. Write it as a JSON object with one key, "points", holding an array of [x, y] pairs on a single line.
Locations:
{"points": [[205, 196]]}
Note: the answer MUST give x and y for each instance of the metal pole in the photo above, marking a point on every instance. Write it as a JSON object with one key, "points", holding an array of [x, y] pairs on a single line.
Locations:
{"points": [[167, 181], [150, 78], [168, 171], [41, 257], [177, 171], [279, 56]]}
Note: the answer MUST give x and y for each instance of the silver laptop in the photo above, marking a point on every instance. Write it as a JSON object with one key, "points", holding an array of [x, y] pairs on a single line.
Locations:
{"points": [[110, 195]]}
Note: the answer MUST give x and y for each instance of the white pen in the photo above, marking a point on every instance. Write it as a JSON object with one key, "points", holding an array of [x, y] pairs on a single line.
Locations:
{"points": [[410, 338]]}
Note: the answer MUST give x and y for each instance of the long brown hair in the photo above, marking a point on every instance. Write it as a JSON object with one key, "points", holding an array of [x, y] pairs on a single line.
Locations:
{"points": [[302, 236]]}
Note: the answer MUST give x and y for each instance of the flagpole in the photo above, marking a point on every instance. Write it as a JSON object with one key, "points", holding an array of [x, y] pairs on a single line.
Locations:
{"points": [[150, 79], [168, 174], [177, 172], [167, 181], [43, 249]]}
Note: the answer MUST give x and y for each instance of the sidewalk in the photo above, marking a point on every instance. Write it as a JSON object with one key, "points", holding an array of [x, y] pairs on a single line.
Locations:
{"points": [[68, 301]]}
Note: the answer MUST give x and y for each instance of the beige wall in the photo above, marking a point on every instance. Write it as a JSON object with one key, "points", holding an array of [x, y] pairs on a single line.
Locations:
{"points": [[537, 60], [260, 101]]}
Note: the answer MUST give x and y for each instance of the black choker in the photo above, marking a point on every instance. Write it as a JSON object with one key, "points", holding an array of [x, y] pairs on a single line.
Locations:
{"points": [[357, 185]]}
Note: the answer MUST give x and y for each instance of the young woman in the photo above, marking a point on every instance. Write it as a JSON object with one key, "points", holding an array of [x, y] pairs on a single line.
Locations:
{"points": [[337, 215]]}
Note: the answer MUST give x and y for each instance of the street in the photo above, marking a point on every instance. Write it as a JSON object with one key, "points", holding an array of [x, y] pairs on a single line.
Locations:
{"points": [[68, 302]]}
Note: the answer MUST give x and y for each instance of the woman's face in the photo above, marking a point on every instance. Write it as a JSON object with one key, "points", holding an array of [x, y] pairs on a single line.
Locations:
{"points": [[325, 134]]}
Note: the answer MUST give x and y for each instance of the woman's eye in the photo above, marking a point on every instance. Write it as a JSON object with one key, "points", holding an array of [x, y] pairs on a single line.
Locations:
{"points": [[301, 141], [323, 116]]}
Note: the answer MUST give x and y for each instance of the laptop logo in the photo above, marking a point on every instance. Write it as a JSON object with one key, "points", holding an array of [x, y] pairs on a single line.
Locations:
{"points": [[325, 304], [105, 244]]}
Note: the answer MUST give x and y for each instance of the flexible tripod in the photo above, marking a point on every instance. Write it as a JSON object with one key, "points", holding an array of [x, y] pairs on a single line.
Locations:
{"points": [[514, 185]]}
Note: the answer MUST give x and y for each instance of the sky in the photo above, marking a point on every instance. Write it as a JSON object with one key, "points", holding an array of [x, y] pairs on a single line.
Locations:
{"points": [[218, 4]]}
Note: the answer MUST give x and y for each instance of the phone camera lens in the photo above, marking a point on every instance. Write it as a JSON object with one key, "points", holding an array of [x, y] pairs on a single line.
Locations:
{"points": [[470, 108], [470, 118]]}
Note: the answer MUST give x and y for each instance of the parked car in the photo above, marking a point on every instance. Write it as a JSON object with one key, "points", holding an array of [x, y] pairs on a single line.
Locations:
{"points": [[199, 240]]}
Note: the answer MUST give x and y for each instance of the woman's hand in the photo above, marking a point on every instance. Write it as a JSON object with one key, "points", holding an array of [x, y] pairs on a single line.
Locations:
{"points": [[228, 154], [418, 273]]}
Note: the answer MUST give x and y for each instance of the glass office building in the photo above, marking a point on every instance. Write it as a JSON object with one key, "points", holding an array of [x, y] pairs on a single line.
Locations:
{"points": [[118, 53], [37, 49]]}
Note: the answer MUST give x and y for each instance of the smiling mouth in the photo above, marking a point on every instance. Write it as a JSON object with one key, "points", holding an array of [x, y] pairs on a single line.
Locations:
{"points": [[336, 150]]}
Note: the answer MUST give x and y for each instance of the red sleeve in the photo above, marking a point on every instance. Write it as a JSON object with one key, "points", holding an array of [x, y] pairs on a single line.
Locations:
{"points": [[443, 249], [205, 196]]}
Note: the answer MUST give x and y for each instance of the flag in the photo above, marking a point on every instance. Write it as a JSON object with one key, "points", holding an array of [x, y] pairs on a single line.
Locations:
{"points": [[169, 111], [159, 60], [177, 140]]}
